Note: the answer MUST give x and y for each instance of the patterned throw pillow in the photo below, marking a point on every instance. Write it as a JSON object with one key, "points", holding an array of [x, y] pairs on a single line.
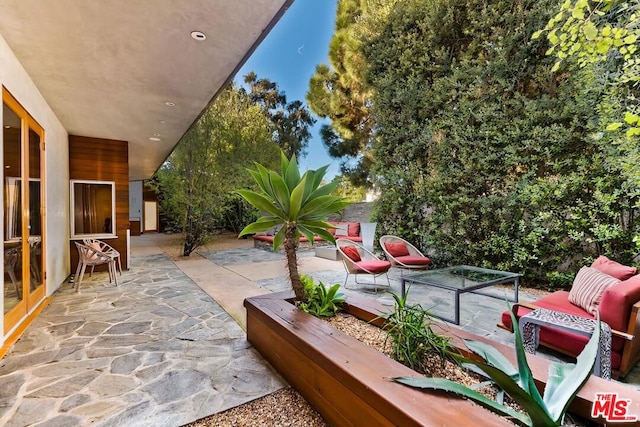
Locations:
{"points": [[352, 253], [588, 287]]}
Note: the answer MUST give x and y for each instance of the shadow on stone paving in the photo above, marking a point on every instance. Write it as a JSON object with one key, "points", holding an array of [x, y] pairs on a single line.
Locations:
{"points": [[155, 350]]}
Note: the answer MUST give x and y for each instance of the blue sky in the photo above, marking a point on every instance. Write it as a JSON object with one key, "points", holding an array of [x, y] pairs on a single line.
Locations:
{"points": [[289, 55]]}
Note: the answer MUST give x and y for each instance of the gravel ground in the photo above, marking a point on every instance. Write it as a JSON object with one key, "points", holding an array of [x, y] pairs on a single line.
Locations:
{"points": [[287, 408], [283, 408]]}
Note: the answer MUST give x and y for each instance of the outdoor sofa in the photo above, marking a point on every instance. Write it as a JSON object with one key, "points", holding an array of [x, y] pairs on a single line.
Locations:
{"points": [[618, 304], [344, 230]]}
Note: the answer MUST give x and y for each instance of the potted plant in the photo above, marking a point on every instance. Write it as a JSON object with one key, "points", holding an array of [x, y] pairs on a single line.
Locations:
{"points": [[300, 204]]}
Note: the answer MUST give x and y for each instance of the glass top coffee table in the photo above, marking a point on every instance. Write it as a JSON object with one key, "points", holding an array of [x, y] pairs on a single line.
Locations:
{"points": [[461, 279]]}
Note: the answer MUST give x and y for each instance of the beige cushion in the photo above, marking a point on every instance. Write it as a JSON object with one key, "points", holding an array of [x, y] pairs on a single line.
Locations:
{"points": [[588, 287], [342, 229], [96, 246]]}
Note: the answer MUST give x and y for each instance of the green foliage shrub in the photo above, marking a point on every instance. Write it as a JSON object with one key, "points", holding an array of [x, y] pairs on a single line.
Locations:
{"points": [[483, 155], [196, 184], [238, 214]]}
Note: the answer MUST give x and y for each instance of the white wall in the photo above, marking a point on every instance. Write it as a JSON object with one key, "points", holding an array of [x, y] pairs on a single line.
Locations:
{"points": [[16, 80], [135, 200]]}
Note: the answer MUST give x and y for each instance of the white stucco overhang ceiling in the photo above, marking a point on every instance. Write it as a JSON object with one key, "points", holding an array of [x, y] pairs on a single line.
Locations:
{"points": [[112, 68]]}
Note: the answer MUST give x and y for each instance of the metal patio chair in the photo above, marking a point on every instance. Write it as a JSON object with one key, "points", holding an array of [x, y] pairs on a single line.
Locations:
{"points": [[402, 254], [358, 260]]}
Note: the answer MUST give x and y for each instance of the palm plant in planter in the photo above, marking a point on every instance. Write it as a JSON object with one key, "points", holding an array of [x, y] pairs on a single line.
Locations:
{"points": [[298, 203]]}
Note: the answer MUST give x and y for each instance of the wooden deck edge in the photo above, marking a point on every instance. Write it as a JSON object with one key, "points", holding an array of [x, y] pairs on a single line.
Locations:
{"points": [[345, 380], [328, 367], [581, 405]]}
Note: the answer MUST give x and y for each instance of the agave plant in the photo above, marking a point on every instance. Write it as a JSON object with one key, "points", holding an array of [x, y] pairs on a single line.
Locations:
{"points": [[564, 381], [300, 204]]}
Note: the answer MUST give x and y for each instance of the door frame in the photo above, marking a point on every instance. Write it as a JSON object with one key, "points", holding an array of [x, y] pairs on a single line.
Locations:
{"points": [[30, 300]]}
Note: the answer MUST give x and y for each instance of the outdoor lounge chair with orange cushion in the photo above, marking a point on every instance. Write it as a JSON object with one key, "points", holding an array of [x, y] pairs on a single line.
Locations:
{"points": [[358, 260], [403, 254]]}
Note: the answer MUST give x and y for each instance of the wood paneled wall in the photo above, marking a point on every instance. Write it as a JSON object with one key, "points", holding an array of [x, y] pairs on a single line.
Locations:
{"points": [[103, 160]]}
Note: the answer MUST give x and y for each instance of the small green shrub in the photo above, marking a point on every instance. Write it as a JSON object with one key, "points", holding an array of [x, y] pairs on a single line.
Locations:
{"points": [[560, 280], [320, 301], [412, 339]]}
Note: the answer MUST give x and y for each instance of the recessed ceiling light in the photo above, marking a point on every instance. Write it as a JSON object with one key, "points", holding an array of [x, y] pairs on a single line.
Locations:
{"points": [[198, 35], [153, 138], [170, 104], [162, 122]]}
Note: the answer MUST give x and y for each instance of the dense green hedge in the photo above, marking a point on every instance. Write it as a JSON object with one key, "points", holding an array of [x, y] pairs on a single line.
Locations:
{"points": [[483, 155]]}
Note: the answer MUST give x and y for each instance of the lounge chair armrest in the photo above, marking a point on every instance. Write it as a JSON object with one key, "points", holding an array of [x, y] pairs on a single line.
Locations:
{"points": [[622, 335], [514, 307], [633, 326], [631, 349]]}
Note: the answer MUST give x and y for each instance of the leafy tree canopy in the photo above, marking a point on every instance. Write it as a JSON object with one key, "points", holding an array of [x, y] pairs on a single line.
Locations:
{"points": [[197, 182], [347, 191], [340, 92], [483, 155], [290, 121]]}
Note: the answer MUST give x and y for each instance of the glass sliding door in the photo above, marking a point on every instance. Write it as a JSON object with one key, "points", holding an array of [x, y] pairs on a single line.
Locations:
{"points": [[34, 210], [23, 214], [12, 150]]}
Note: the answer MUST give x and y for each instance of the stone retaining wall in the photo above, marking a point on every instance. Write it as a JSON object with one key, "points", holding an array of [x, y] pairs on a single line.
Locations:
{"points": [[356, 212]]}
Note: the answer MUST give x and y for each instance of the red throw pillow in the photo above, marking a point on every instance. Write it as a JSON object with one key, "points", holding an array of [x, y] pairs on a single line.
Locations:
{"points": [[352, 253], [397, 249], [613, 268], [353, 229]]}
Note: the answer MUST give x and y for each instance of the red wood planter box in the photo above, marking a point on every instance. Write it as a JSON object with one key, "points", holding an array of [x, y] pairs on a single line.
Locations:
{"points": [[348, 382]]}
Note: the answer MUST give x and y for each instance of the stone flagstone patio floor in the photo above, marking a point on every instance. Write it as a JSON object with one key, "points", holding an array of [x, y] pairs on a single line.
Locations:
{"points": [[166, 347], [155, 351]]}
